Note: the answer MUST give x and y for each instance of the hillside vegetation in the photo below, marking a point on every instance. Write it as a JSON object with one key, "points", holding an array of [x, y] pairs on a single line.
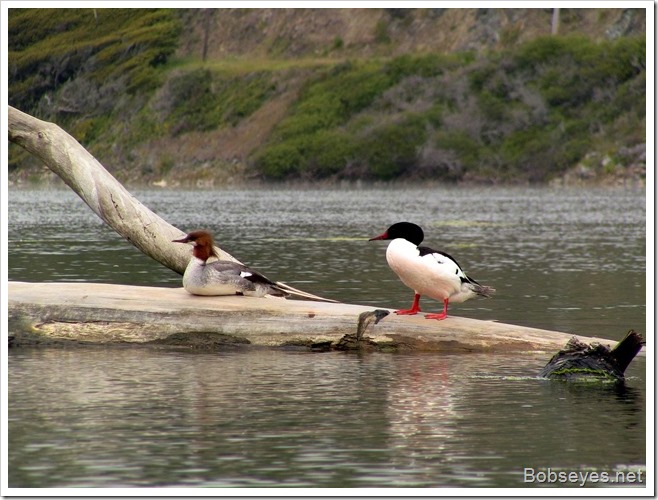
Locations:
{"points": [[295, 102]]}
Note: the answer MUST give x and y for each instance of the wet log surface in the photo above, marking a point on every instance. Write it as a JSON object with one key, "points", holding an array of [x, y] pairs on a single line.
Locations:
{"points": [[107, 313]]}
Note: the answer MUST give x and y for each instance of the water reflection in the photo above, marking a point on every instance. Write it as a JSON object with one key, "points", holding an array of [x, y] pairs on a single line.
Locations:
{"points": [[137, 417]]}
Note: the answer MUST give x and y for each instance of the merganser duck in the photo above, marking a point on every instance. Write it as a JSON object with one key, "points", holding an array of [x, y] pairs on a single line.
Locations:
{"points": [[207, 275], [426, 271]]}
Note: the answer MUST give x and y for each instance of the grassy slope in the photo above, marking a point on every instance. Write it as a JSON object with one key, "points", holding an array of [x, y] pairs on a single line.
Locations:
{"points": [[526, 113]]}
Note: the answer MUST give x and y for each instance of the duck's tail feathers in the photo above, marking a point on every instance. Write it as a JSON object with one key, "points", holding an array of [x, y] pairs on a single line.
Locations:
{"points": [[274, 290], [484, 291], [287, 290], [481, 290]]}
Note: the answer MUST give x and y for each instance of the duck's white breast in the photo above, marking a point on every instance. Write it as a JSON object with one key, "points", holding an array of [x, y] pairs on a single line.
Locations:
{"points": [[432, 275], [200, 280]]}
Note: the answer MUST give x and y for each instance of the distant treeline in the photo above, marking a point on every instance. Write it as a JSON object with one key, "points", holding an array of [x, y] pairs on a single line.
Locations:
{"points": [[526, 113], [530, 112]]}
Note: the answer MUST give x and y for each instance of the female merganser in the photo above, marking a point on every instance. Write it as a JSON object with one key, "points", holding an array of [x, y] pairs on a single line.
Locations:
{"points": [[426, 271], [207, 275]]}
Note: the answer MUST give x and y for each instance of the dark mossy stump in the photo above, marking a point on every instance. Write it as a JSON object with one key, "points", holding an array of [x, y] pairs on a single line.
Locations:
{"points": [[581, 361]]}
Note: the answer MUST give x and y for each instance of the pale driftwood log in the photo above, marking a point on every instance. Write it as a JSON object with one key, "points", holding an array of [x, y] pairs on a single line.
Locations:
{"points": [[106, 196], [102, 313]]}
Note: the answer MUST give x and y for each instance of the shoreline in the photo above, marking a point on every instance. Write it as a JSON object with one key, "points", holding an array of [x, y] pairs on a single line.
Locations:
{"points": [[48, 179]]}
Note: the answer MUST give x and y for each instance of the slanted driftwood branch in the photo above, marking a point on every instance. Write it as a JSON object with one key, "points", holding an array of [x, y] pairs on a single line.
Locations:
{"points": [[112, 202]]}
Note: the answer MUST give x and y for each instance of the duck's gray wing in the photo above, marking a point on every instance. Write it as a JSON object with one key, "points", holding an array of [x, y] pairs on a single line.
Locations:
{"points": [[251, 281]]}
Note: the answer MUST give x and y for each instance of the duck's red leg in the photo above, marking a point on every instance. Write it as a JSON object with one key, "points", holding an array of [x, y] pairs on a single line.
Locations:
{"points": [[441, 315], [415, 307]]}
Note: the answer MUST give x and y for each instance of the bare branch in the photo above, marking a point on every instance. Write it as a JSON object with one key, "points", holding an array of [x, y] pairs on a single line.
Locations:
{"points": [[119, 209]]}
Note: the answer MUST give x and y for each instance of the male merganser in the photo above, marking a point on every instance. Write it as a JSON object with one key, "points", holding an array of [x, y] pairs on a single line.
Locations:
{"points": [[426, 271], [207, 275]]}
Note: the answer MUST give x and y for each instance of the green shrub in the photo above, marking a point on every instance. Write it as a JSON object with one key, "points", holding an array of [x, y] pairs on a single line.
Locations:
{"points": [[392, 149], [331, 99], [570, 69], [192, 103], [434, 115], [381, 32], [279, 161], [329, 152], [320, 112], [521, 146], [539, 51], [466, 147], [239, 97], [493, 108], [426, 65], [201, 100]]}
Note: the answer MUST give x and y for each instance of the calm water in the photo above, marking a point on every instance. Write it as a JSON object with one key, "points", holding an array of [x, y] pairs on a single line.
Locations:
{"points": [[570, 260]]}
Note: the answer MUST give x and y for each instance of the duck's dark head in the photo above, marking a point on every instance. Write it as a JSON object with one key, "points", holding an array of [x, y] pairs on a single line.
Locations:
{"points": [[203, 244], [405, 230]]}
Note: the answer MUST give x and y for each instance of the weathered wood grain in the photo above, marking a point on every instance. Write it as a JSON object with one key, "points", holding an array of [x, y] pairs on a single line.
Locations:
{"points": [[105, 313]]}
